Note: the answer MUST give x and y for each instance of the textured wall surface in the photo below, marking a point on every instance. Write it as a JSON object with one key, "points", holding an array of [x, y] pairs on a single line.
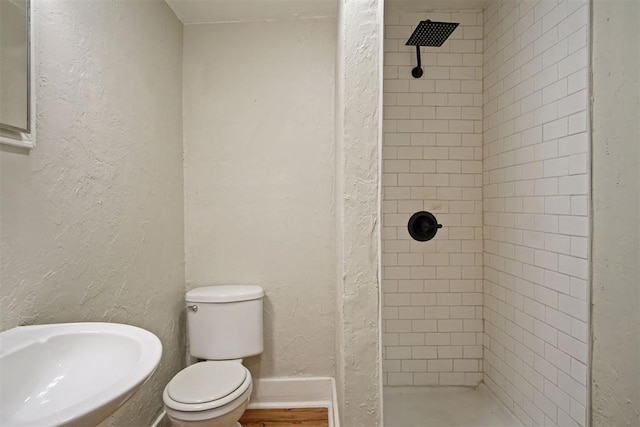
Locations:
{"points": [[358, 140], [616, 214], [536, 228], [259, 174], [91, 220], [432, 160]]}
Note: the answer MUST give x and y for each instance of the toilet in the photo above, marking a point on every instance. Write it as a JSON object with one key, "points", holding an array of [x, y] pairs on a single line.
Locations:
{"points": [[224, 325]]}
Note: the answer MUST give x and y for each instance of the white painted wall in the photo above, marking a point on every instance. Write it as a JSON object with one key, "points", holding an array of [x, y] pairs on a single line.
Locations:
{"points": [[432, 152], [357, 195], [536, 196], [259, 177], [91, 221], [616, 214]]}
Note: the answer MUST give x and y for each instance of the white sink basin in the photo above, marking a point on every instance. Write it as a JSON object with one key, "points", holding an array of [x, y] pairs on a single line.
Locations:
{"points": [[72, 374]]}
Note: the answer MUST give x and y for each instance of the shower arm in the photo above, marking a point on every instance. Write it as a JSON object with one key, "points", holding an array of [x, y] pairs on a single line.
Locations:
{"points": [[417, 71]]}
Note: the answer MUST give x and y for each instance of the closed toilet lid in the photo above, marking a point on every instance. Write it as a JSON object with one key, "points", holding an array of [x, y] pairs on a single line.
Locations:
{"points": [[206, 381]]}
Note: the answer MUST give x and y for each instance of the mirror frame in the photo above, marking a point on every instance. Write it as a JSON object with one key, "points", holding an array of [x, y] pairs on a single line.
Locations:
{"points": [[20, 138]]}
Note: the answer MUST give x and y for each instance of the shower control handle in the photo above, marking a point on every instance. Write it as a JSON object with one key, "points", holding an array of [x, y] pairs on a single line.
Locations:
{"points": [[423, 226]]}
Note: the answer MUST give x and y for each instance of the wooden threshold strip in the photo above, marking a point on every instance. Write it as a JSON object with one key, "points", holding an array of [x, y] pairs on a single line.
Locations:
{"points": [[295, 417]]}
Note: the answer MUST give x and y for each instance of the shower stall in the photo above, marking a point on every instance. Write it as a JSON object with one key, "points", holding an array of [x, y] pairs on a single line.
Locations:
{"points": [[487, 131]]}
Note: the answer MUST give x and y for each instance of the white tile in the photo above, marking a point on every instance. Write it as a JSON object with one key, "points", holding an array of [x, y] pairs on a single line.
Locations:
{"points": [[573, 144], [414, 366], [421, 379], [545, 114], [434, 99], [573, 347], [472, 32], [410, 339], [573, 388], [578, 123], [416, 86], [396, 378], [573, 103], [578, 412], [557, 358], [449, 352], [397, 300], [557, 396], [573, 185], [393, 352], [409, 126], [462, 46], [579, 164], [462, 73], [573, 307], [545, 332], [574, 225], [553, 92], [557, 205], [424, 352], [546, 187], [579, 247], [427, 325], [579, 372], [554, 54], [470, 86], [452, 378], [554, 17], [580, 330], [557, 281], [565, 420], [546, 296], [465, 365], [576, 19], [577, 40], [572, 63], [554, 129], [396, 86], [440, 365], [425, 300], [408, 99]]}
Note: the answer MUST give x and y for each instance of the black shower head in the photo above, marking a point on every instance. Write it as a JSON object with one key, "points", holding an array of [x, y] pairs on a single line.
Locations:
{"points": [[431, 33]]}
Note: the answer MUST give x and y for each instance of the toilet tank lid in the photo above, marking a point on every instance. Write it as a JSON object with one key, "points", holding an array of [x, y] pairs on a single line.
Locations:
{"points": [[225, 293]]}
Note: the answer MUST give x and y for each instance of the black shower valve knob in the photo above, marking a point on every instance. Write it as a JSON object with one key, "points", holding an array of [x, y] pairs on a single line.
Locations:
{"points": [[423, 226]]}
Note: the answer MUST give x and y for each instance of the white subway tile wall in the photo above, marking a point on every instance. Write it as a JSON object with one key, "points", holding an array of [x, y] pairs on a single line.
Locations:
{"points": [[536, 188], [432, 160]]}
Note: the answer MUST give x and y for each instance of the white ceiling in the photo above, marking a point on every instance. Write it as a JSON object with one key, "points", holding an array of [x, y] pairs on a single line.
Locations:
{"points": [[422, 5], [208, 11]]}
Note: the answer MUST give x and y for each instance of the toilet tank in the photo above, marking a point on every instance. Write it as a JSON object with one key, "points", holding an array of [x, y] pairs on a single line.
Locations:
{"points": [[225, 321]]}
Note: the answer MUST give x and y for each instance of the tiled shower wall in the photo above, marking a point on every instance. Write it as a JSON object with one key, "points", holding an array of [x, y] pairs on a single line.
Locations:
{"points": [[432, 160], [536, 227]]}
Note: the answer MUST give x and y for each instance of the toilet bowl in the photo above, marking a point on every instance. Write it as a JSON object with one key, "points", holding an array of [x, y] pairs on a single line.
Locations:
{"points": [[208, 394], [224, 325]]}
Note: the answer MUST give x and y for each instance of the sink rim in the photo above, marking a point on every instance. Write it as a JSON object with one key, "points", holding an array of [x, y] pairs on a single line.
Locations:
{"points": [[150, 347]]}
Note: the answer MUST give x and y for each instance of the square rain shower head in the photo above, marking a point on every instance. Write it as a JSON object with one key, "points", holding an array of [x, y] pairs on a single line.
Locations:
{"points": [[431, 33]]}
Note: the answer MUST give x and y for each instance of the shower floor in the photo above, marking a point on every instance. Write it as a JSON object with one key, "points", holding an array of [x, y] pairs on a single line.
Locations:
{"points": [[445, 406]]}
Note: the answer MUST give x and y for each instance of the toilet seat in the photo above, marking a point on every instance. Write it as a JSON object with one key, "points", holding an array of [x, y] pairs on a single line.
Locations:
{"points": [[206, 385]]}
